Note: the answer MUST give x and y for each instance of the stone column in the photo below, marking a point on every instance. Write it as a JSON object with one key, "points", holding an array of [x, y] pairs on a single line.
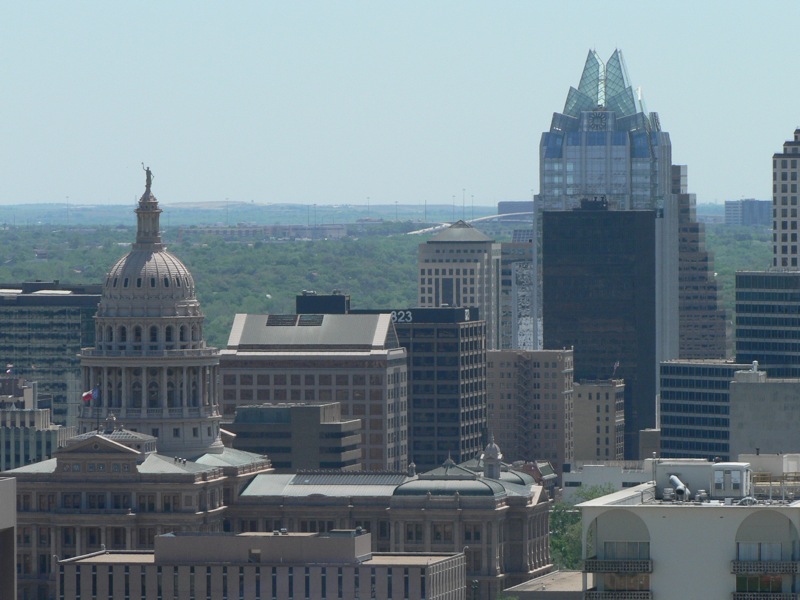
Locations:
{"points": [[126, 392], [162, 389]]}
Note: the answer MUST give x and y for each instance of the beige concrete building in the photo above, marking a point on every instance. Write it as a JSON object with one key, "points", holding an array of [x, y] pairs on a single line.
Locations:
{"points": [[785, 167], [460, 266], [499, 514], [698, 530], [355, 360], [703, 323], [558, 585], [299, 436], [531, 404], [8, 525], [28, 436], [337, 565], [764, 414], [599, 419]]}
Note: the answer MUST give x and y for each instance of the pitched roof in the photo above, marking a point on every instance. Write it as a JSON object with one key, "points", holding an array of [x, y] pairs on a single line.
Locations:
{"points": [[361, 333], [331, 484], [460, 231]]}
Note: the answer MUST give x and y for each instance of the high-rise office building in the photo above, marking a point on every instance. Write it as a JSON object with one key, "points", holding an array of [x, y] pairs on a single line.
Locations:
{"points": [[460, 266], [43, 326], [599, 419], [446, 382], [695, 408], [531, 404], [785, 169], [519, 308], [767, 320], [600, 297], [768, 302], [605, 143], [748, 212], [605, 147], [703, 322], [355, 360]]}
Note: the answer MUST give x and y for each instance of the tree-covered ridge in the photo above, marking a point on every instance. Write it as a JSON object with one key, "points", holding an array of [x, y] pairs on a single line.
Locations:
{"points": [[378, 271], [378, 268]]}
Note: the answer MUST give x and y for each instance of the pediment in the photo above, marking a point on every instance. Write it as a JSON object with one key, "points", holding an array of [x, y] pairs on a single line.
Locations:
{"points": [[96, 444]]}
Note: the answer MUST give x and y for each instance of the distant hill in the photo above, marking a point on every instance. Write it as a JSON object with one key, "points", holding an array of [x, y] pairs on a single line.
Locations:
{"points": [[232, 213]]}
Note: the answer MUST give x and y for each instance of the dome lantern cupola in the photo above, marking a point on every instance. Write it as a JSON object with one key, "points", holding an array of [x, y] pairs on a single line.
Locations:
{"points": [[148, 233]]}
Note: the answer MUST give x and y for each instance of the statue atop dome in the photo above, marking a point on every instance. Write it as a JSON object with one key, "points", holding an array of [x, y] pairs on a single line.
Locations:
{"points": [[148, 179]]}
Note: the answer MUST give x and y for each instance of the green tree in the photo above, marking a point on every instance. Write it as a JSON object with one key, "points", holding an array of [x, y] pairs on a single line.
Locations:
{"points": [[565, 527]]}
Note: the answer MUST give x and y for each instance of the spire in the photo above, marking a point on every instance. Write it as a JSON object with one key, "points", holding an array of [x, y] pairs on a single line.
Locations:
{"points": [[593, 79], [606, 85], [148, 234]]}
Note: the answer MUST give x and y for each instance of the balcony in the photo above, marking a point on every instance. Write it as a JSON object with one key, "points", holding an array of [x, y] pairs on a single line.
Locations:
{"points": [[594, 565], [89, 412], [764, 567], [764, 596], [149, 351], [617, 595]]}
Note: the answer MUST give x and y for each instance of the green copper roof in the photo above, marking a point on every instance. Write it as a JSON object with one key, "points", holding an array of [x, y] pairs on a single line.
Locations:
{"points": [[604, 86]]}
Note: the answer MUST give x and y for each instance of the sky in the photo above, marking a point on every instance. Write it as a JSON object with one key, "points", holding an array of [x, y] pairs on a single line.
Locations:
{"points": [[357, 102]]}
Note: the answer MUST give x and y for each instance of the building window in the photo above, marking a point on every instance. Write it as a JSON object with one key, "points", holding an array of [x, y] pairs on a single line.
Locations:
{"points": [[414, 533], [442, 533]]}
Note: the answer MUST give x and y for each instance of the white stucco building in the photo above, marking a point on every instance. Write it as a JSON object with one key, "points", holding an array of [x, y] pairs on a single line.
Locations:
{"points": [[699, 530]]}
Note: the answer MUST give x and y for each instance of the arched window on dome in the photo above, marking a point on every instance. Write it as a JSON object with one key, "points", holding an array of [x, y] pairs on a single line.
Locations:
{"points": [[153, 400], [153, 333], [194, 333], [171, 398], [136, 394], [166, 281], [123, 333], [182, 333], [109, 334], [168, 335], [118, 396]]}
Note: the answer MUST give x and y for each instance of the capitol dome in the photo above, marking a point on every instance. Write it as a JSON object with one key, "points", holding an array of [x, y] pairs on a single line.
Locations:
{"points": [[150, 366], [149, 280]]}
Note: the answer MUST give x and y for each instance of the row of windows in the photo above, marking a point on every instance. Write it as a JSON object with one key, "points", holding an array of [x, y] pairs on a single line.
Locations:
{"points": [[166, 281], [296, 379], [695, 434], [693, 446], [694, 408], [694, 420]]}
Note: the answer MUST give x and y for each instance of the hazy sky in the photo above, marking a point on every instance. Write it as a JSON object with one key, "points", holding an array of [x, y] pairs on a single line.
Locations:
{"points": [[334, 102]]}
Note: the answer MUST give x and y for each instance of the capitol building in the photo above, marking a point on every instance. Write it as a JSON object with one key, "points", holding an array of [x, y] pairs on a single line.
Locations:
{"points": [[149, 457]]}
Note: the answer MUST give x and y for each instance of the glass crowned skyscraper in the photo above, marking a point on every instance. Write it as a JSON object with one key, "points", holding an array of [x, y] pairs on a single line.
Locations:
{"points": [[605, 143]]}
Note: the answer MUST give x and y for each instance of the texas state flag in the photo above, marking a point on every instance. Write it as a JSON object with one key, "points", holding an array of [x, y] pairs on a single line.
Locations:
{"points": [[90, 395]]}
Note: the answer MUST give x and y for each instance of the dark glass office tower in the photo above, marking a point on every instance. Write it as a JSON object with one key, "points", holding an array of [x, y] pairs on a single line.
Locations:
{"points": [[600, 296]]}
